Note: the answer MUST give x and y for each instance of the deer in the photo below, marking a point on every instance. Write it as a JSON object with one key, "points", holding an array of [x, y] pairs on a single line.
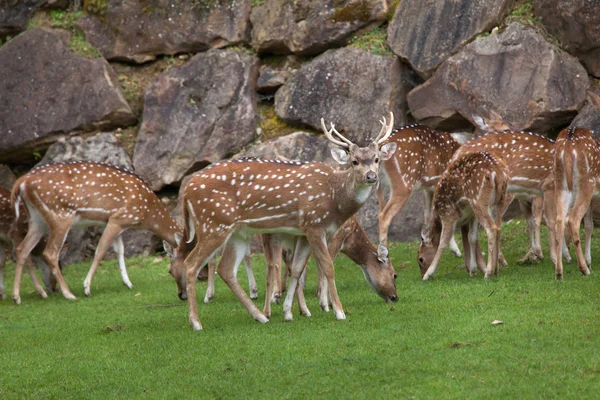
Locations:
{"points": [[59, 196], [576, 178], [351, 240], [471, 191], [229, 201], [529, 157], [422, 156], [12, 232]]}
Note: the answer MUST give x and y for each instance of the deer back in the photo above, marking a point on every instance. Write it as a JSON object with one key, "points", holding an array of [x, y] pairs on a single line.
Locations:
{"points": [[576, 156], [421, 157]]}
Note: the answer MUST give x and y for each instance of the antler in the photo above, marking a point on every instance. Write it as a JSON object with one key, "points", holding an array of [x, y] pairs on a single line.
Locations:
{"points": [[344, 143], [386, 128]]}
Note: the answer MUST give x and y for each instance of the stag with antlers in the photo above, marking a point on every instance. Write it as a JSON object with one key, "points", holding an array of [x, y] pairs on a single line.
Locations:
{"points": [[61, 195], [471, 191], [228, 202]]}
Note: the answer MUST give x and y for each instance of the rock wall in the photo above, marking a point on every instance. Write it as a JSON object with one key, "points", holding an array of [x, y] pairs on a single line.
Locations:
{"points": [[169, 87]]}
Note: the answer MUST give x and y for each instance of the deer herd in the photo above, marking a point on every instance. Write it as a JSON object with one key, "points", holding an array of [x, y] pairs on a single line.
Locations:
{"points": [[299, 208]]}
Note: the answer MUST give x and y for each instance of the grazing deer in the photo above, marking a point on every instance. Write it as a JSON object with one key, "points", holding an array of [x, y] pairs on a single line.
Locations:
{"points": [[352, 241], [421, 158], [529, 158], [471, 191], [61, 195], [12, 232], [230, 201], [576, 176]]}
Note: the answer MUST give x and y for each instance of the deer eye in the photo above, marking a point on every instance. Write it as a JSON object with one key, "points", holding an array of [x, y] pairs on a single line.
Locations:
{"points": [[377, 161], [354, 162], [421, 259]]}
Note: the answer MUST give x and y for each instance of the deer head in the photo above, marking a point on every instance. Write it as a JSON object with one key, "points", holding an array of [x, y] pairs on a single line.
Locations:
{"points": [[365, 161]]}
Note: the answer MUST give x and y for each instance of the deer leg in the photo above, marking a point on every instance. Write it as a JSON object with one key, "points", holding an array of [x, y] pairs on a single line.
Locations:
{"points": [[58, 234], [2, 262], [446, 235], [562, 203], [302, 307], [251, 280], [120, 250], [574, 217], [110, 234], [210, 283], [588, 223], [493, 233], [34, 234], [318, 243], [34, 279], [473, 229], [398, 198], [204, 251], [234, 253], [47, 277], [464, 235], [301, 254], [533, 254], [272, 251]]}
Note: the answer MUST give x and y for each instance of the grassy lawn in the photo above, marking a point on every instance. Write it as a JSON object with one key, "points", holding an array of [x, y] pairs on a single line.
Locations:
{"points": [[436, 342]]}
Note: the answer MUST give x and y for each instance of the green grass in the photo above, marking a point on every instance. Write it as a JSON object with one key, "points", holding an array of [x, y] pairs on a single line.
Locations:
{"points": [[372, 41], [436, 342]]}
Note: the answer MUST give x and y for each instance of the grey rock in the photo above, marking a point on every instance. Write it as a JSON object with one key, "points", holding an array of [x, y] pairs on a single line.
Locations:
{"points": [[514, 79], [7, 177], [138, 30], [195, 115], [15, 14], [103, 147], [426, 33], [576, 24], [46, 90], [351, 88], [307, 27], [271, 79]]}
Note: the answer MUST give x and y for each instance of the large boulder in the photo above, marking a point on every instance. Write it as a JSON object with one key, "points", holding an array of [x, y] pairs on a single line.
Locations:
{"points": [[138, 30], [426, 35], [348, 87], [514, 79], [47, 90], [15, 14], [195, 115], [576, 24], [589, 115], [82, 241], [309, 27]]}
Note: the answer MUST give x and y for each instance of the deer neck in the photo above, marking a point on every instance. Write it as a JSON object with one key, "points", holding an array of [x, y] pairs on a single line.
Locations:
{"points": [[164, 226], [348, 194]]}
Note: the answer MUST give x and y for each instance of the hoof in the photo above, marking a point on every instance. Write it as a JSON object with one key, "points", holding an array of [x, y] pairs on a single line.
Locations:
{"points": [[70, 296], [128, 284], [288, 317], [559, 277], [529, 259], [340, 315], [325, 308], [306, 313], [196, 325], [207, 299], [262, 319], [254, 296], [44, 295], [17, 300]]}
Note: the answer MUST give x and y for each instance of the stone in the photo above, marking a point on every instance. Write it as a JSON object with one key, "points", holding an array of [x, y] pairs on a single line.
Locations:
{"points": [[576, 24], [307, 27], [103, 147], [271, 79], [138, 30], [589, 115], [47, 90], [426, 33], [513, 80], [351, 88], [15, 14], [196, 115], [7, 177]]}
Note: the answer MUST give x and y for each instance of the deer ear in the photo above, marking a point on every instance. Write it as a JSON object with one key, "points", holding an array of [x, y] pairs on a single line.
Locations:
{"points": [[168, 248], [382, 253], [178, 236], [481, 124], [340, 155], [387, 150]]}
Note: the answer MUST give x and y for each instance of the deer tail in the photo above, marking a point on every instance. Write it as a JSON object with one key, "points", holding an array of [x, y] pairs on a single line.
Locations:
{"points": [[189, 225]]}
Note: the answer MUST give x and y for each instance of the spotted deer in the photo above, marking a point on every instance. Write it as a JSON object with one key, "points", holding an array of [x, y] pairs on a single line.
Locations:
{"points": [[529, 158], [59, 196], [471, 191], [12, 232], [351, 240], [422, 156], [576, 181], [228, 202]]}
